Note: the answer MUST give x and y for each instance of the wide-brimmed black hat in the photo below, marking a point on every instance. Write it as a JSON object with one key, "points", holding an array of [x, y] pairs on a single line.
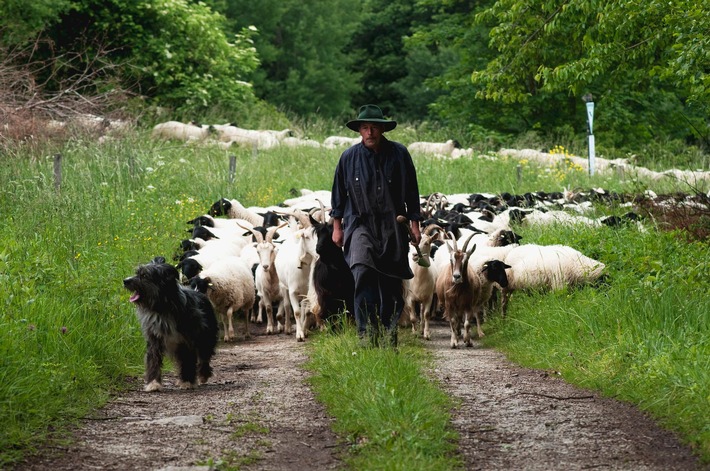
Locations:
{"points": [[371, 114]]}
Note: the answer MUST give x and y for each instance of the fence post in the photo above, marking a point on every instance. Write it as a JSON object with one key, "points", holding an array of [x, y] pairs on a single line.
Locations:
{"points": [[519, 171], [131, 166], [57, 172], [232, 167]]}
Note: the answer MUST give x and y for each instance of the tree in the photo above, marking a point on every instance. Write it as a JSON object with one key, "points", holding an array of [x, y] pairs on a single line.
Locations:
{"points": [[21, 21], [173, 52], [302, 45]]}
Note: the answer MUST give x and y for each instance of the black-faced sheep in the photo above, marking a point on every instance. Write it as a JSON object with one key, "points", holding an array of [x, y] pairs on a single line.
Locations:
{"points": [[550, 267], [229, 285]]}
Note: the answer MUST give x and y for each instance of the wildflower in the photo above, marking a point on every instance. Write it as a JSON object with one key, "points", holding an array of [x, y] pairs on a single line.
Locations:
{"points": [[149, 169], [63, 330], [150, 187]]}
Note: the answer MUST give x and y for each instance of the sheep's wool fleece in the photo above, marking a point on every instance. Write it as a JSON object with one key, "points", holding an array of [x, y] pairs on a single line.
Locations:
{"points": [[369, 191]]}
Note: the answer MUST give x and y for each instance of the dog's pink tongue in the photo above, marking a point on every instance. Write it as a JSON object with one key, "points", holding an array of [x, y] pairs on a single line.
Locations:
{"points": [[134, 297]]}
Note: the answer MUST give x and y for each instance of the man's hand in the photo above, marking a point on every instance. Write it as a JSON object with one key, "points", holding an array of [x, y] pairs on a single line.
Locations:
{"points": [[416, 233], [338, 235]]}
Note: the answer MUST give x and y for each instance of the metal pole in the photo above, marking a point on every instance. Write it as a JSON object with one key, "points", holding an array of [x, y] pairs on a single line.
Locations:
{"points": [[590, 120], [57, 171], [232, 167]]}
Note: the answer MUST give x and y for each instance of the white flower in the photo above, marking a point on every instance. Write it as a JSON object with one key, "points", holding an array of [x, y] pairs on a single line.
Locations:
{"points": [[150, 187], [149, 169]]}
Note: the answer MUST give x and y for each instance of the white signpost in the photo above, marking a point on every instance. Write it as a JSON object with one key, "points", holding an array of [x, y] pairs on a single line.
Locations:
{"points": [[590, 119]]}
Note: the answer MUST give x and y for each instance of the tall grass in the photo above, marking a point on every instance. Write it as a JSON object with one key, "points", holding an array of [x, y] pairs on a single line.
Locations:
{"points": [[642, 337], [391, 414], [70, 336]]}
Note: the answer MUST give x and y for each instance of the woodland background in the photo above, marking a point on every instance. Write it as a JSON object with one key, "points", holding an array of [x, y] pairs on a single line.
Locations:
{"points": [[486, 71]]}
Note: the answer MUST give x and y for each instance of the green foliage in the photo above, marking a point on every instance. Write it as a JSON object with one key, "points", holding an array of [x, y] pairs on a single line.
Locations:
{"points": [[305, 66], [71, 336], [190, 60], [175, 51], [642, 338], [634, 56], [22, 21]]}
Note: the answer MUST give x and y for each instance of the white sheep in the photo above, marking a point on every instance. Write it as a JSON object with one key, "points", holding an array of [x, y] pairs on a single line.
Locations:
{"points": [[229, 285], [181, 131], [233, 209], [332, 142], [294, 142], [438, 148], [209, 252], [550, 267], [248, 137]]}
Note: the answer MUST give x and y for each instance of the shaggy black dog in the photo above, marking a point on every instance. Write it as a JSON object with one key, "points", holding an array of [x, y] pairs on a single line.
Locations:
{"points": [[176, 321]]}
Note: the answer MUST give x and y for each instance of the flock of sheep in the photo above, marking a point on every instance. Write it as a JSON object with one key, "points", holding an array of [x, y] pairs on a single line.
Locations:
{"points": [[225, 136], [261, 261]]}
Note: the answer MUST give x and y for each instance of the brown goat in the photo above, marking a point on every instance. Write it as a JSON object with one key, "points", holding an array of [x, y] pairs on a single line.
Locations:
{"points": [[458, 293]]}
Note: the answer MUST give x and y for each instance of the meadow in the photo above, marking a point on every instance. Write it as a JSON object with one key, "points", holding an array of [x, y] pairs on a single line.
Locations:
{"points": [[70, 338]]}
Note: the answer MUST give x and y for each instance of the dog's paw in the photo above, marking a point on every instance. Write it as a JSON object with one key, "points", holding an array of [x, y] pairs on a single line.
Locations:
{"points": [[185, 385], [153, 386]]}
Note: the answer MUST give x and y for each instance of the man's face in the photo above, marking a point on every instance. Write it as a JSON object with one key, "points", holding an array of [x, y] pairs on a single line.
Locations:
{"points": [[371, 135]]}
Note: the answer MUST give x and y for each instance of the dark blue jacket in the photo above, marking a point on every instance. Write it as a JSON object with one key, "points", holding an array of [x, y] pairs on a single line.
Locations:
{"points": [[369, 191]]}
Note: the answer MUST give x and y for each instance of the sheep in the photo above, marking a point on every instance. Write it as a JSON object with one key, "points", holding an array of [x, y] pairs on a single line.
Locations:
{"points": [[464, 290], [332, 142], [248, 137], [209, 252], [298, 142], [233, 209], [497, 238], [307, 200], [440, 148], [549, 267], [293, 263], [229, 285], [457, 153], [420, 289], [181, 131]]}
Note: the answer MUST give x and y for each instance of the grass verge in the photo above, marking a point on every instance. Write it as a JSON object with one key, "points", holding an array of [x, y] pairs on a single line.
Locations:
{"points": [[392, 416]]}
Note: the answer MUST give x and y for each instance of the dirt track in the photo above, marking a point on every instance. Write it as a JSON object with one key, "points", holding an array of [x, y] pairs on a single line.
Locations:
{"points": [[257, 413]]}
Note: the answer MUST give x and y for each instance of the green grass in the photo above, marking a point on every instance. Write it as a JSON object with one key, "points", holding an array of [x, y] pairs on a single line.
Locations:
{"points": [[642, 337], [70, 337], [392, 416]]}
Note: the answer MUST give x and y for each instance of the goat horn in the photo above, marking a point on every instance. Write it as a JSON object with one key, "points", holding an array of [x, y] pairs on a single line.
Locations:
{"points": [[302, 218], [270, 233], [322, 210], [431, 228], [465, 244]]}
